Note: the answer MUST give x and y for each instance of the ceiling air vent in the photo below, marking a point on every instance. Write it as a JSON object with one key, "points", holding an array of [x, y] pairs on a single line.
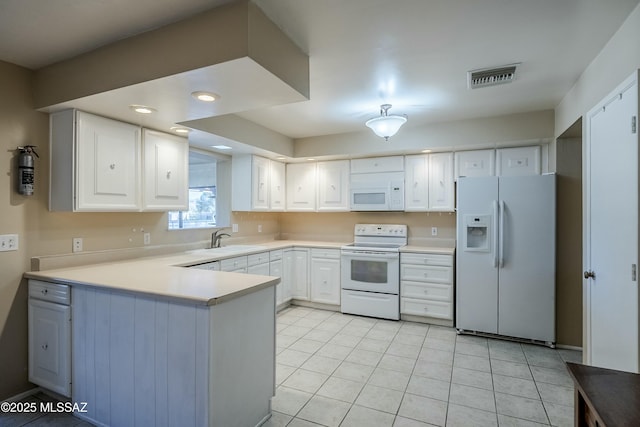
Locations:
{"points": [[491, 76]]}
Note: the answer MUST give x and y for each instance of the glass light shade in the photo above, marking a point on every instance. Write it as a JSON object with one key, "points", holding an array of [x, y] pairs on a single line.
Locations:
{"points": [[386, 126]]}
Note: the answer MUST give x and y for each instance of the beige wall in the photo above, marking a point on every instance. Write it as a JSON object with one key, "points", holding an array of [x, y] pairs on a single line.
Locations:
{"points": [[569, 242]]}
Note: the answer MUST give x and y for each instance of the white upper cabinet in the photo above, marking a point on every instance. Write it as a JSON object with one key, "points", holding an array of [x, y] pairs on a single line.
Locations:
{"points": [[301, 187], [333, 186], [441, 189], [475, 163], [166, 166], [378, 164], [277, 185], [429, 182], [99, 164], [518, 161], [257, 182], [95, 163], [416, 183]]}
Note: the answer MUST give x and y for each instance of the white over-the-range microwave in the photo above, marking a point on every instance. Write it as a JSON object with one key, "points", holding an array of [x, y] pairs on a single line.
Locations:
{"points": [[379, 191]]}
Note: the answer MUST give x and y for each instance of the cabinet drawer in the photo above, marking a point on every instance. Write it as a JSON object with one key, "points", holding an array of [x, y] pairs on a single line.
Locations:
{"points": [[215, 265], [48, 291], [417, 307], [275, 255], [256, 259], [426, 273], [426, 259], [325, 253], [236, 263], [428, 291]]}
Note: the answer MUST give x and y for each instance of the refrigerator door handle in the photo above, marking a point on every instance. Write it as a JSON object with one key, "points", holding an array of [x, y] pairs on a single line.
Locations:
{"points": [[496, 214], [501, 246]]}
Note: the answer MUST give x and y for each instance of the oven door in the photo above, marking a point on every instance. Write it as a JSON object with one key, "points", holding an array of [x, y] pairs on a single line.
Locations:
{"points": [[371, 271]]}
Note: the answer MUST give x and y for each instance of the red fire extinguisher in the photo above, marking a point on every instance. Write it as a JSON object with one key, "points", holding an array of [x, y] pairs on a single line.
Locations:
{"points": [[26, 169]]}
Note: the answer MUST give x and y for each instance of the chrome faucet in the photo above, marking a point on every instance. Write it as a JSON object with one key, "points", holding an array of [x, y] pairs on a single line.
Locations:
{"points": [[215, 238]]}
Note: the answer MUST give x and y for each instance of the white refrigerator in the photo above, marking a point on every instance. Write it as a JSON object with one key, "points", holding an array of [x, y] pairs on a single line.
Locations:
{"points": [[505, 256]]}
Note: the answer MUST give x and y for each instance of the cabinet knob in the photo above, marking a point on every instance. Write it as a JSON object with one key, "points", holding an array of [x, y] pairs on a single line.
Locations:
{"points": [[426, 291], [589, 274], [168, 174], [45, 346], [112, 166], [45, 291]]}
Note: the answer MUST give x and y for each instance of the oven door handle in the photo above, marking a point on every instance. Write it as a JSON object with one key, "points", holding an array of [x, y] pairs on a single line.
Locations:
{"points": [[370, 254]]}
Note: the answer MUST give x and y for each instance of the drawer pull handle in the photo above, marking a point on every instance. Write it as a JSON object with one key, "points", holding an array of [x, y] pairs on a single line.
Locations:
{"points": [[45, 346], [45, 291]]}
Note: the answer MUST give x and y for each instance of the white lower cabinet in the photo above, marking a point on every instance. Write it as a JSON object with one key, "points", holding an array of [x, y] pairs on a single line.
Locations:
{"points": [[426, 285], [276, 268], [299, 273], [50, 336], [325, 276]]}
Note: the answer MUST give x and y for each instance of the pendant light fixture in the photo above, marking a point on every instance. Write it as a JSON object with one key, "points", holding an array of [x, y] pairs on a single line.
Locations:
{"points": [[386, 125]]}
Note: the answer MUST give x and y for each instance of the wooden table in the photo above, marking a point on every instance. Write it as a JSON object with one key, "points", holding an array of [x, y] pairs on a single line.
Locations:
{"points": [[605, 397]]}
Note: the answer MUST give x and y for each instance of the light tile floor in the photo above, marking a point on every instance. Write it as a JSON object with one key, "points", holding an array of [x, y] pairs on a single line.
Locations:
{"points": [[341, 370]]}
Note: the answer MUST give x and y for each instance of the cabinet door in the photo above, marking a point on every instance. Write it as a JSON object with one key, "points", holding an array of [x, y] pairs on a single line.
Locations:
{"points": [[441, 194], [518, 161], [166, 171], [300, 276], [475, 163], [262, 269], [50, 346], [287, 274], [277, 184], [333, 186], [378, 164], [107, 165], [325, 280], [301, 186], [416, 186], [260, 169], [275, 269]]}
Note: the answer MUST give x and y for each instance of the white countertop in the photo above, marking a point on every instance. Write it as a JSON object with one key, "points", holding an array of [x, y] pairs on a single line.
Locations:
{"points": [[166, 276]]}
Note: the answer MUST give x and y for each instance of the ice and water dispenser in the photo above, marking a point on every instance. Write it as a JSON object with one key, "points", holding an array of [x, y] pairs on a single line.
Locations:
{"points": [[477, 229]]}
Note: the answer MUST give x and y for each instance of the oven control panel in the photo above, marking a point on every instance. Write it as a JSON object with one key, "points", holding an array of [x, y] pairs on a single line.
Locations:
{"points": [[383, 230]]}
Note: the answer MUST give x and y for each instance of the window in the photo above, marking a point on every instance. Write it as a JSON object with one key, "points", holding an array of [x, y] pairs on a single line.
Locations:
{"points": [[203, 191]]}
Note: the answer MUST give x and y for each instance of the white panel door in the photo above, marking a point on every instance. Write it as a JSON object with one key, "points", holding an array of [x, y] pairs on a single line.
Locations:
{"points": [[526, 278], [518, 161], [277, 184], [325, 280], [107, 165], [477, 271], [416, 183], [475, 163], [333, 186], [301, 187], [166, 171], [611, 231], [441, 193]]}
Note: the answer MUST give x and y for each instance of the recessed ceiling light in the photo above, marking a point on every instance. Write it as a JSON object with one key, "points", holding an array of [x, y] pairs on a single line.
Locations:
{"points": [[311, 160], [281, 158], [142, 109], [177, 129], [426, 151], [205, 96], [221, 147]]}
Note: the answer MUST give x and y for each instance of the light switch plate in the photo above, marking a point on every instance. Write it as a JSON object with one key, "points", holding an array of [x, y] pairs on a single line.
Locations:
{"points": [[8, 242]]}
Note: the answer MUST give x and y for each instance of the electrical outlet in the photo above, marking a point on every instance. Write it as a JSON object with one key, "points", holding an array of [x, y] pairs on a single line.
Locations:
{"points": [[434, 231], [234, 228], [147, 238], [259, 228], [8, 242], [77, 244]]}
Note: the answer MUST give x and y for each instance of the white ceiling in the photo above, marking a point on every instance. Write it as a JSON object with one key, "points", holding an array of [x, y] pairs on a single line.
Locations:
{"points": [[413, 54]]}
